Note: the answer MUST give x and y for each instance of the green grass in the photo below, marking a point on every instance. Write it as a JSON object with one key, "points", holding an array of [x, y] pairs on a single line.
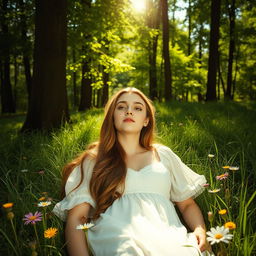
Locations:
{"points": [[192, 130]]}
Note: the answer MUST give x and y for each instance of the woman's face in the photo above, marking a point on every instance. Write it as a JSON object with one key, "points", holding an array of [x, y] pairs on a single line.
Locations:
{"points": [[130, 114]]}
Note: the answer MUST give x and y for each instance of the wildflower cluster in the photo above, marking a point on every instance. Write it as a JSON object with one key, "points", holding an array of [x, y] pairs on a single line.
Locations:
{"points": [[220, 214], [39, 217]]}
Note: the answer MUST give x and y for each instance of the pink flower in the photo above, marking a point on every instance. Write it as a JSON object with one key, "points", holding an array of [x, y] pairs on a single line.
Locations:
{"points": [[41, 172], [31, 218], [222, 176], [206, 185]]}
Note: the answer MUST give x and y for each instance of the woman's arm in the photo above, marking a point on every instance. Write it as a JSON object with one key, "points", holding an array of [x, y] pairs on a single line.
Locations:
{"points": [[194, 219], [75, 238]]}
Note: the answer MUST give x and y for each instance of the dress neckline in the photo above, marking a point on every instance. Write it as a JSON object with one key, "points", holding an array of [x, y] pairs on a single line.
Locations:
{"points": [[145, 167], [155, 146]]}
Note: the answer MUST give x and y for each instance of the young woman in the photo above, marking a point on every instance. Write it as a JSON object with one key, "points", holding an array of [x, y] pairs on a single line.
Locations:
{"points": [[128, 187]]}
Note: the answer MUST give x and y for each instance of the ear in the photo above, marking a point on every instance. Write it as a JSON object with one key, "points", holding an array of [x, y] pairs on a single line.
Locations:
{"points": [[146, 121]]}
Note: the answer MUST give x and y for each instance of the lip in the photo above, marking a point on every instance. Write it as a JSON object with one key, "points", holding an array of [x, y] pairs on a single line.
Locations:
{"points": [[129, 120]]}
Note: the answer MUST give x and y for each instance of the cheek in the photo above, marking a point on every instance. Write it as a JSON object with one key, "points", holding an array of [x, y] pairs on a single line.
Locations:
{"points": [[117, 117]]}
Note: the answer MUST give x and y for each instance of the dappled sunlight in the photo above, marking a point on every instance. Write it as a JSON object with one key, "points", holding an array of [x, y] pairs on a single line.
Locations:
{"points": [[138, 5]]}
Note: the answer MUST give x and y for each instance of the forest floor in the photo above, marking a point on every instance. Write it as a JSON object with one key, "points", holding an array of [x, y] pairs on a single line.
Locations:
{"points": [[212, 139]]}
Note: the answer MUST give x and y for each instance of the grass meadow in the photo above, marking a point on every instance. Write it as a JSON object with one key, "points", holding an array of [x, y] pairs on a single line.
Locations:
{"points": [[214, 139]]}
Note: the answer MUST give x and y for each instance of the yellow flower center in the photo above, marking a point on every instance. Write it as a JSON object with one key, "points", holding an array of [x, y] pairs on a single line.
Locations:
{"points": [[218, 236], [32, 217]]}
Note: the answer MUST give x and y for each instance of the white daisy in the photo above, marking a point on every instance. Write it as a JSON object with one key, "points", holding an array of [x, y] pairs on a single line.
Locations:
{"points": [[44, 204], [219, 234], [85, 226], [211, 155], [216, 190], [233, 168]]}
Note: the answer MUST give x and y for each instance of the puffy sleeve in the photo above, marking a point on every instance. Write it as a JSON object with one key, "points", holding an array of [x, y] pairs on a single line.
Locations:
{"points": [[79, 195], [185, 183]]}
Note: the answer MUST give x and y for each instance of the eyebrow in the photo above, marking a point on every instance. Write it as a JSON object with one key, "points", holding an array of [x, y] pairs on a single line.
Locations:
{"points": [[135, 102]]}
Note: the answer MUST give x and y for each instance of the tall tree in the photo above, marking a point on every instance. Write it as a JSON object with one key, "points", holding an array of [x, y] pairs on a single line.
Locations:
{"points": [[166, 56], [25, 48], [213, 51], [7, 100], [48, 106], [86, 88], [232, 17], [153, 23]]}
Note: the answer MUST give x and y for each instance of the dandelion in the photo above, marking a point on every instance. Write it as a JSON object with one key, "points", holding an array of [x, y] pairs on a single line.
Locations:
{"points": [[216, 190], [10, 215], [233, 168], [219, 234], [32, 218], [41, 198], [222, 176], [8, 205], [230, 225], [222, 212], [50, 232], [226, 167], [211, 155], [44, 204], [85, 226]]}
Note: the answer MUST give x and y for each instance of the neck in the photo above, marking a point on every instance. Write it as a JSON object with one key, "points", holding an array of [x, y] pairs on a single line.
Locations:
{"points": [[130, 143]]}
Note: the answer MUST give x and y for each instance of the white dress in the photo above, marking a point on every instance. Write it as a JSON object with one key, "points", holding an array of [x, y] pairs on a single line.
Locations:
{"points": [[143, 222]]}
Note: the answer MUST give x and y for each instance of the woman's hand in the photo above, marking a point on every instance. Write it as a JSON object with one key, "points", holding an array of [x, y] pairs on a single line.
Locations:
{"points": [[201, 239]]}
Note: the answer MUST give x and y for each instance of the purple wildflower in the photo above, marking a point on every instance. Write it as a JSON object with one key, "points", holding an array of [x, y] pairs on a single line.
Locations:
{"points": [[31, 218]]}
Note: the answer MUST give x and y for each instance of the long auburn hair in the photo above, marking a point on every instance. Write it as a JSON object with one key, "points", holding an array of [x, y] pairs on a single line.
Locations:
{"points": [[109, 172]]}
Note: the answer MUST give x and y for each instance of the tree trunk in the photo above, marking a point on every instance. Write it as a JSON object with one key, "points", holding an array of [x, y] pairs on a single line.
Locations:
{"points": [[99, 98], [232, 17], [189, 27], [75, 98], [8, 104], [48, 107], [86, 88], [174, 7], [166, 56], [153, 22], [25, 49], [105, 93], [213, 52]]}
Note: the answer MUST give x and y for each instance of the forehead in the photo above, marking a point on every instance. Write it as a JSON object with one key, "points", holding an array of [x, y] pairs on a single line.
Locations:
{"points": [[130, 98]]}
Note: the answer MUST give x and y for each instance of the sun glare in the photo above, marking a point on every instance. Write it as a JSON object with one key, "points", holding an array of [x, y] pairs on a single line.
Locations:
{"points": [[139, 5]]}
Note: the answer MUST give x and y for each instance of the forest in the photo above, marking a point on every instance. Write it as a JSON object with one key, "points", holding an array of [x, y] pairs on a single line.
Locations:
{"points": [[62, 60], [59, 56]]}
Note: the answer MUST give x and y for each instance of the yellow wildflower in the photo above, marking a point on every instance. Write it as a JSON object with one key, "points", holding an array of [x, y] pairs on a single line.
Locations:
{"points": [[222, 212], [8, 205], [230, 225], [50, 232]]}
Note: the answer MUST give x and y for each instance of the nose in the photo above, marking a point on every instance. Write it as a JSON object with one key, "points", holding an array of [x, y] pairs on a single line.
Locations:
{"points": [[128, 111]]}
